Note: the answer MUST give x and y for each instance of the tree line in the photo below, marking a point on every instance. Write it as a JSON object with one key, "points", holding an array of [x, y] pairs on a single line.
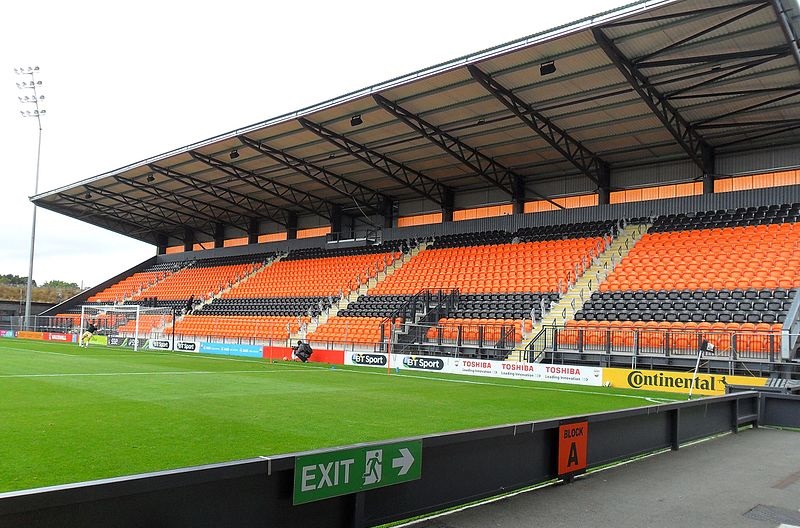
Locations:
{"points": [[12, 288]]}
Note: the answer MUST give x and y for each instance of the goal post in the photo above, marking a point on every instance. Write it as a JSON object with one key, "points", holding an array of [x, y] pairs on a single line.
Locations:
{"points": [[126, 320]]}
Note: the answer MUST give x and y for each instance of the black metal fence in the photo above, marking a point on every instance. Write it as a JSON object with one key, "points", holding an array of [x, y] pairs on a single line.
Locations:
{"points": [[730, 345], [457, 468]]}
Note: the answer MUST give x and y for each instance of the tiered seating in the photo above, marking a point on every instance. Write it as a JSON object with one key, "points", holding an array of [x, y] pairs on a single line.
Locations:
{"points": [[725, 276], [278, 306], [507, 268], [721, 258], [502, 278], [132, 285], [472, 329], [239, 326], [374, 306], [331, 273], [300, 286], [358, 330], [205, 277], [147, 323]]}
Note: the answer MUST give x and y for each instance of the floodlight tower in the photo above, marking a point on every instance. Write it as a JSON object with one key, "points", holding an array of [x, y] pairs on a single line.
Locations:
{"points": [[31, 84]]}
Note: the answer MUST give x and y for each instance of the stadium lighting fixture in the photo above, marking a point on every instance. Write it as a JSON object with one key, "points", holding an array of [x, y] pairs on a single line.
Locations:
{"points": [[356, 120], [234, 154], [546, 68], [35, 99], [87, 195], [150, 178]]}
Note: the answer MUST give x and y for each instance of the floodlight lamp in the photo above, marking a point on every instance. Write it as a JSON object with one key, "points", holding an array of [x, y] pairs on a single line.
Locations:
{"points": [[356, 120], [546, 68], [87, 195], [150, 178], [234, 154]]}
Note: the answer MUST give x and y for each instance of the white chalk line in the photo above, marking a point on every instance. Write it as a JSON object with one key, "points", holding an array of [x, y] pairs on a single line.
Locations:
{"points": [[192, 355], [154, 373]]}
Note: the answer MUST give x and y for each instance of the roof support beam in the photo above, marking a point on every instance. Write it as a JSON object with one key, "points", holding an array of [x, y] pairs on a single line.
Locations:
{"points": [[791, 38], [252, 207], [702, 32], [195, 208], [362, 195], [492, 171], [682, 14], [714, 57], [412, 179], [703, 122], [162, 213], [138, 221], [177, 200], [684, 134], [586, 161], [301, 199]]}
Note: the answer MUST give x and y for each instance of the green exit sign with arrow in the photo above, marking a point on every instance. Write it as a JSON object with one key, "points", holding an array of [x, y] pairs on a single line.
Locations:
{"points": [[333, 473]]}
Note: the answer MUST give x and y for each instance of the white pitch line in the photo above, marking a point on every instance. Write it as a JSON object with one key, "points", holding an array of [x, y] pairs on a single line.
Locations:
{"points": [[468, 382], [157, 373]]}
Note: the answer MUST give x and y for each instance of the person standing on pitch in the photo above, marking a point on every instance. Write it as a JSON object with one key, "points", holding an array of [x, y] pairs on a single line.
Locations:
{"points": [[87, 335]]}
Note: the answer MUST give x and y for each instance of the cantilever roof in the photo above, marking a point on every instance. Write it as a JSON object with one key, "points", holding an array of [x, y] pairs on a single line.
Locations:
{"points": [[652, 81]]}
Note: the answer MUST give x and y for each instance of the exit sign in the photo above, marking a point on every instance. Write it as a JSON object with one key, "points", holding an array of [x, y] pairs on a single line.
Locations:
{"points": [[333, 473]]}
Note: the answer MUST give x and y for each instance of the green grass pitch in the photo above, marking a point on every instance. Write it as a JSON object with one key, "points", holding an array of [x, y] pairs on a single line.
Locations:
{"points": [[69, 414]]}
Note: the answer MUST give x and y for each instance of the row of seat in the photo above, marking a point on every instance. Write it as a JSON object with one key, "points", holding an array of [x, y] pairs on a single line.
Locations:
{"points": [[244, 326], [675, 336], [751, 216], [359, 330], [282, 306], [506, 268], [736, 259], [472, 330], [313, 277], [389, 246], [528, 234]]}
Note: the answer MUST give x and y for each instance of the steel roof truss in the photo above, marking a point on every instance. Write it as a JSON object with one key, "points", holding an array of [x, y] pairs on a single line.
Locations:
{"points": [[754, 106], [127, 217], [586, 161], [779, 51], [680, 14], [684, 134], [412, 179], [185, 202], [700, 33], [162, 213], [364, 196], [256, 208], [301, 199], [494, 172]]}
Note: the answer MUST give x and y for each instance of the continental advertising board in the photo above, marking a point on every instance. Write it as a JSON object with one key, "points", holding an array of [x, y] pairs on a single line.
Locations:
{"points": [[681, 382], [576, 375]]}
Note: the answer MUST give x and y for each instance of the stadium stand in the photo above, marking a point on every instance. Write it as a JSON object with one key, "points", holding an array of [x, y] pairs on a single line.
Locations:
{"points": [[135, 283], [726, 276], [282, 299], [501, 278]]}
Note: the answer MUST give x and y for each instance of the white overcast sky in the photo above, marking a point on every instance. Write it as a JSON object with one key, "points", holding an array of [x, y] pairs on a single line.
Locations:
{"points": [[125, 81]]}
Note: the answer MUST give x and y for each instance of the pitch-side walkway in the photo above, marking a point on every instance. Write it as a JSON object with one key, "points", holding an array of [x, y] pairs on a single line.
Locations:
{"points": [[751, 479]]}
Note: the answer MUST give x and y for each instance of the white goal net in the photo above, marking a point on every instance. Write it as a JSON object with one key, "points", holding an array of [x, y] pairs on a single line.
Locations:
{"points": [[126, 321]]}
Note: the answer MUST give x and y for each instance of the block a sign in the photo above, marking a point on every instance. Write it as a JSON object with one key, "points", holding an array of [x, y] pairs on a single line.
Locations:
{"points": [[573, 439], [333, 473]]}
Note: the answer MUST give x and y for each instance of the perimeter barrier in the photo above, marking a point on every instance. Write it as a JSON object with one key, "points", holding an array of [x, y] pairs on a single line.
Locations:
{"points": [[341, 487]]}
